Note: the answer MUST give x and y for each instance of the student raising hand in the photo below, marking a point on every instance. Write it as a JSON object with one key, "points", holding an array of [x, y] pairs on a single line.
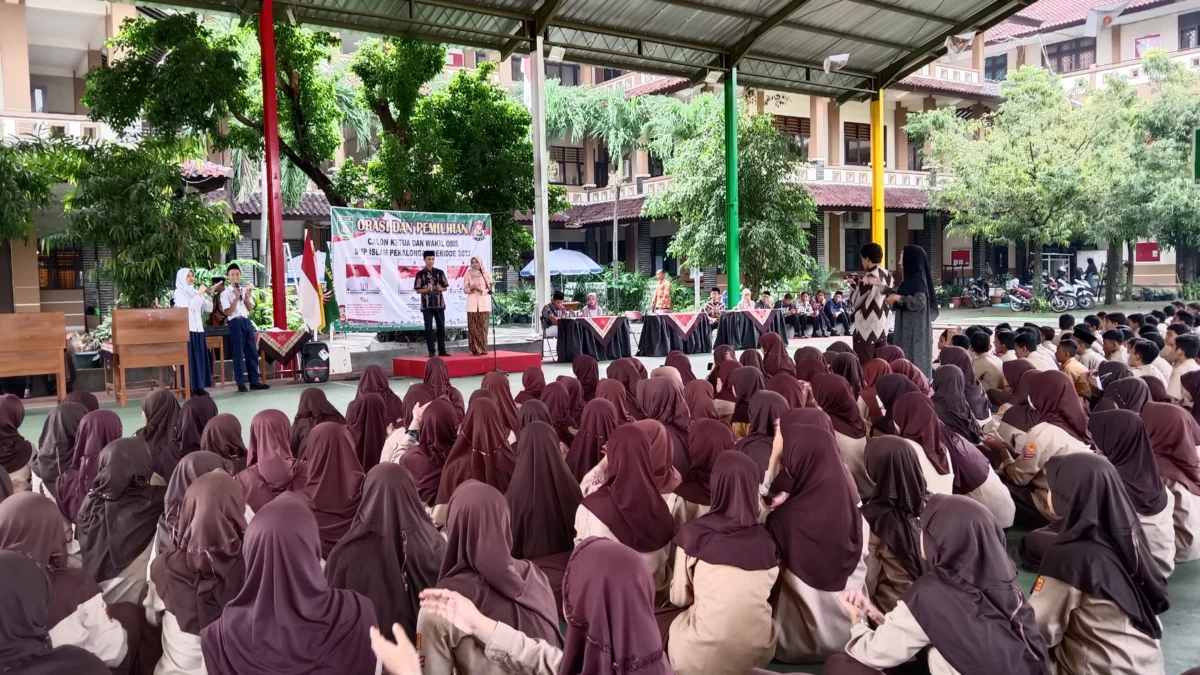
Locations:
{"points": [[399, 657]]}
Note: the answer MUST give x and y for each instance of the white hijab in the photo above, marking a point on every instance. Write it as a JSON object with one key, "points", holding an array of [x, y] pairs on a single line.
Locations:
{"points": [[184, 292]]}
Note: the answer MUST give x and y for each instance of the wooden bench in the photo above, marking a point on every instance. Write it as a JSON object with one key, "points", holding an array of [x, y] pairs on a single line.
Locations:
{"points": [[149, 338], [34, 343]]}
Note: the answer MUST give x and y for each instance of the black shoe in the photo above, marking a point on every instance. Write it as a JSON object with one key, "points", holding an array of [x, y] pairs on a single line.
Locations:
{"points": [[259, 386], [242, 389], [443, 354], [432, 355]]}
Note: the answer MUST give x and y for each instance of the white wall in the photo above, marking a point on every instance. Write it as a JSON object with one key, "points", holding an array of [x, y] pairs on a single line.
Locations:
{"points": [[795, 105], [1166, 26], [60, 92]]}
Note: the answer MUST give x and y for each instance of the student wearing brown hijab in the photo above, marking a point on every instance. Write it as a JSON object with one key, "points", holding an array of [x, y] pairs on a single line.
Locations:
{"points": [[56, 446], [1175, 437], [96, 431], [335, 479], [707, 441], [976, 397], [614, 392], [481, 452], [835, 396], [118, 520], [743, 384], [893, 512], [160, 412], [868, 398], [765, 408], [1059, 428], [190, 586], [574, 394], [223, 437], [628, 506], [192, 467], [950, 402], [536, 411], [497, 383], [78, 616], [286, 619], [374, 380], [912, 372], [967, 613], [889, 353], [699, 395], [314, 409], [1014, 418], [272, 470], [1098, 592], [848, 366], [721, 354], [726, 564], [426, 459], [193, 417], [610, 618], [15, 451], [889, 389], [629, 372], [367, 423], [822, 540], [725, 398], [24, 641], [797, 393], [751, 358], [599, 420], [479, 566], [391, 552], [557, 398], [775, 356], [542, 497], [587, 371], [662, 400], [533, 380], [680, 362]]}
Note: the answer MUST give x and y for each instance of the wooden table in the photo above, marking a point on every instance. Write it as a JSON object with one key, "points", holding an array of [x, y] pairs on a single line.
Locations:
{"points": [[217, 342], [149, 338], [34, 344]]}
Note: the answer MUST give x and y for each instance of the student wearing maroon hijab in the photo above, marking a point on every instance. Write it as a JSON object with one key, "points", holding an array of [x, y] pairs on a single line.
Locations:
{"points": [[893, 512], [536, 411], [614, 392], [966, 613], [725, 398], [367, 423], [286, 619], [1059, 428], [680, 362], [272, 470], [707, 441], [533, 380], [335, 480], [836, 397], [557, 398], [848, 366], [543, 496], [609, 612], [479, 566], [314, 409], [374, 380], [726, 564], [868, 398], [587, 371], [629, 372], [744, 383], [481, 452], [1174, 437], [628, 507], [574, 394], [437, 378], [765, 408], [913, 373], [888, 390], [96, 431], [193, 417], [699, 395], [662, 400], [599, 420], [497, 383], [797, 393], [426, 459], [822, 539]]}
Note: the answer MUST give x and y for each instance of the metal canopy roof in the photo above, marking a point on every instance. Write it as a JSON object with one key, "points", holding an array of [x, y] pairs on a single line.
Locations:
{"points": [[775, 44]]}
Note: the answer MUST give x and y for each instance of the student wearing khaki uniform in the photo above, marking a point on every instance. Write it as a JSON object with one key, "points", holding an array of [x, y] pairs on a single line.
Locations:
{"points": [[893, 512], [1174, 436]]}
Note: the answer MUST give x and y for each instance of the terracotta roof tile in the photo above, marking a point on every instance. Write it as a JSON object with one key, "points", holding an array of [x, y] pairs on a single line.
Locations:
{"points": [[199, 168], [838, 195], [666, 85], [986, 90], [312, 205], [1055, 14], [591, 214]]}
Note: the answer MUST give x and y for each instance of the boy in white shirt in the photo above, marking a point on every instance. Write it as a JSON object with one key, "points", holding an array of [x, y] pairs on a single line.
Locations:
{"points": [[1141, 360], [1089, 358], [1027, 348], [1187, 348], [236, 301], [1114, 345]]}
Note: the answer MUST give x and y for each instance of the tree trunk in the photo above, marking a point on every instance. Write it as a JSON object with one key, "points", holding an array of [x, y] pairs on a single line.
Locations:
{"points": [[1129, 272], [1186, 263], [1036, 281], [1112, 273]]}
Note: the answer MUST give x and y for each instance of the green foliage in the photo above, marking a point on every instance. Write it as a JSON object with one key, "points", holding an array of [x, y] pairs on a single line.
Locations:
{"points": [[263, 314], [632, 291], [26, 177], [1040, 304], [683, 296], [816, 279], [1191, 291], [772, 206], [130, 199], [515, 305]]}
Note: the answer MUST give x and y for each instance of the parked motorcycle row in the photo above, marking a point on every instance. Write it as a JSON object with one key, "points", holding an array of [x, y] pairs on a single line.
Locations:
{"points": [[1062, 294]]}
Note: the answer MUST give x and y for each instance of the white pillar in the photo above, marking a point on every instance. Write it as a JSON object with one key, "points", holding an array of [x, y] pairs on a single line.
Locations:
{"points": [[541, 219]]}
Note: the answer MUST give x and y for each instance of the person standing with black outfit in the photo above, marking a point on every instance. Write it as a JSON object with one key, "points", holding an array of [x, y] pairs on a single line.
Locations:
{"points": [[431, 283]]}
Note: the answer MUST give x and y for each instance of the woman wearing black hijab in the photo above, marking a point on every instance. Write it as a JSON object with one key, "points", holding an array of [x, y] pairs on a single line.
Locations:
{"points": [[56, 446], [893, 511], [915, 308], [967, 610], [1098, 595]]}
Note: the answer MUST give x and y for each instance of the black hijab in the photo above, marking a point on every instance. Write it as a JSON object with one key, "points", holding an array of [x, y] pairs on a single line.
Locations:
{"points": [[57, 444], [894, 508], [119, 517], [917, 277], [1121, 436], [1101, 549], [950, 402]]}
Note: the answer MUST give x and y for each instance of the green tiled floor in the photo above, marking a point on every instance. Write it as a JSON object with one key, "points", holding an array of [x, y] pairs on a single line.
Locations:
{"points": [[1181, 639]]}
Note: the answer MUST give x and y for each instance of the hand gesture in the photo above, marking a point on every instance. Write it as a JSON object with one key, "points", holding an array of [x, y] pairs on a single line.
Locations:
{"points": [[247, 288], [417, 411], [892, 299], [459, 611], [850, 603], [202, 290], [399, 657]]}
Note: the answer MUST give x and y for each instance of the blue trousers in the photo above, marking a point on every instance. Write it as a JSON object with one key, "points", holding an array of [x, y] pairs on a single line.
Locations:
{"points": [[244, 353]]}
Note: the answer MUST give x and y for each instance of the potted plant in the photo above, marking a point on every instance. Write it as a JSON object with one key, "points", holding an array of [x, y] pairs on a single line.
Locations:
{"points": [[997, 286], [955, 292]]}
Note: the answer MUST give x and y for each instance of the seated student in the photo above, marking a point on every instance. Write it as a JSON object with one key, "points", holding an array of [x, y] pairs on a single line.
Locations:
{"points": [[1066, 355], [713, 308], [1172, 331], [835, 398], [1047, 345], [1027, 349], [1163, 366], [1066, 323], [1141, 360], [838, 313], [821, 324], [1160, 318], [967, 611], [822, 539], [1136, 321], [708, 440], [988, 367], [791, 314], [1112, 320], [726, 564], [1098, 593], [551, 313], [1092, 321], [893, 512], [1114, 346], [1087, 356], [764, 301], [804, 312], [1005, 345], [960, 340], [1183, 361], [1175, 438], [1059, 427], [1186, 318]]}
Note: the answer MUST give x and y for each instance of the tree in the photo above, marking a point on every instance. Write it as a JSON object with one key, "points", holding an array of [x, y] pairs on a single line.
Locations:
{"points": [[772, 205], [25, 184], [1016, 175], [132, 200]]}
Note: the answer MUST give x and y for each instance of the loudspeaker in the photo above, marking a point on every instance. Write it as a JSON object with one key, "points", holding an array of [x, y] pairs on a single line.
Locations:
{"points": [[315, 360]]}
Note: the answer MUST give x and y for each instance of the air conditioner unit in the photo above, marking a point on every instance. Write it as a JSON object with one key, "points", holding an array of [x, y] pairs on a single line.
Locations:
{"points": [[853, 218]]}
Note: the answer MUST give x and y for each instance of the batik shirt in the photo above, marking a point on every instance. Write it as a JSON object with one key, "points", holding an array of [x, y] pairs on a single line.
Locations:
{"points": [[427, 278]]}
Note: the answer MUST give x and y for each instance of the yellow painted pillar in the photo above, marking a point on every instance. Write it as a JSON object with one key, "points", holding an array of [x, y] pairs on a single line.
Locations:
{"points": [[878, 143]]}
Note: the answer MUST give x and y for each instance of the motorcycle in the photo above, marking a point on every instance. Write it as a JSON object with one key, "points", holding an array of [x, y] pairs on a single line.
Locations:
{"points": [[1079, 290], [1020, 298], [977, 293]]}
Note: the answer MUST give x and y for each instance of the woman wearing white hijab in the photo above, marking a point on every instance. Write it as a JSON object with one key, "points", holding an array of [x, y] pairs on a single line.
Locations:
{"points": [[477, 285], [747, 301], [195, 300]]}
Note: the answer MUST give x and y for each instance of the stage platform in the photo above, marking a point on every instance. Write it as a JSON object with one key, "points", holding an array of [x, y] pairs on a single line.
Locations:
{"points": [[466, 365]]}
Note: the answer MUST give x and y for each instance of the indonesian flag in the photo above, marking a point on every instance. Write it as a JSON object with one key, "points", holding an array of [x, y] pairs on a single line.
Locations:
{"points": [[308, 288]]}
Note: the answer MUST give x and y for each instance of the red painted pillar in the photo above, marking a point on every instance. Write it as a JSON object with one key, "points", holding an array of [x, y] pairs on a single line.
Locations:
{"points": [[274, 196]]}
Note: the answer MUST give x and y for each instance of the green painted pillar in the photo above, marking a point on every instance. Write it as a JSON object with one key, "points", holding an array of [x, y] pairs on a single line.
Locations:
{"points": [[732, 264]]}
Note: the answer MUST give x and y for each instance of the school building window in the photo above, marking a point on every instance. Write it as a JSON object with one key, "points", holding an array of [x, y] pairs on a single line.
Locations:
{"points": [[798, 130], [605, 74], [995, 68], [656, 166], [1189, 30], [856, 141], [855, 240], [566, 165], [61, 268], [567, 74], [1070, 56], [658, 253]]}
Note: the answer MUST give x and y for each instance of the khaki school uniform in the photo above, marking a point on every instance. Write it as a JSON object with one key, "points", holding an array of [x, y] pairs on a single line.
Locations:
{"points": [[997, 499], [1186, 521], [935, 482], [588, 525], [446, 650], [1175, 387], [853, 451], [21, 479], [685, 511], [1090, 636], [1079, 377], [131, 583], [811, 623], [887, 579], [989, 370], [1043, 441], [1160, 535], [727, 627], [1040, 361], [91, 628], [181, 653], [1148, 370], [897, 640]]}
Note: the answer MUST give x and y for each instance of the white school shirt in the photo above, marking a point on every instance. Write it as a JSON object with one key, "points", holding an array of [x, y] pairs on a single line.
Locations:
{"points": [[1175, 385], [235, 310]]}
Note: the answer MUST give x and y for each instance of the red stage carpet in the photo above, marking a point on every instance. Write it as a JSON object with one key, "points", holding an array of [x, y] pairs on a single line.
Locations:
{"points": [[465, 365]]}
